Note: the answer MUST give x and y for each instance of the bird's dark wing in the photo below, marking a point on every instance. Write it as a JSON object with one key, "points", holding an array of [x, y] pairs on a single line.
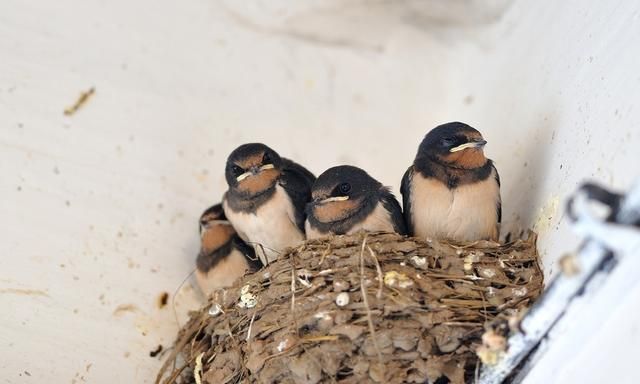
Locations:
{"points": [[249, 253], [499, 205], [390, 203], [297, 181], [299, 169], [405, 190]]}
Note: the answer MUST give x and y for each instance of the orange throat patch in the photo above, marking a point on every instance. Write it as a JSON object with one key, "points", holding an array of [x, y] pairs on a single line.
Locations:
{"points": [[255, 184], [216, 236], [335, 210], [469, 158]]}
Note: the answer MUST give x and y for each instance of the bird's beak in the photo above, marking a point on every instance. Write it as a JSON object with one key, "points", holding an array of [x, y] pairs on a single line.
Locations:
{"points": [[211, 223], [479, 143], [335, 198], [219, 222], [244, 176], [254, 171]]}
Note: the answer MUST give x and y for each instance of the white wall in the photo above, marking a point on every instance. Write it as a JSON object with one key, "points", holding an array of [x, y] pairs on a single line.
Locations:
{"points": [[99, 209]]}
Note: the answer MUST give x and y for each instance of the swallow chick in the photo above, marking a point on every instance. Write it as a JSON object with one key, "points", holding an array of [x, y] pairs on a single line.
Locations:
{"points": [[223, 257], [452, 191], [347, 200], [266, 199]]}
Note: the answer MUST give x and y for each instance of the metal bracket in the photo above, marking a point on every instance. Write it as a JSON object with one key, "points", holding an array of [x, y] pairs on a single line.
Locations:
{"points": [[609, 239]]}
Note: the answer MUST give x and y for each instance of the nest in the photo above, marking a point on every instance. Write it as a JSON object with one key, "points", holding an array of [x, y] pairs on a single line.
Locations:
{"points": [[362, 308]]}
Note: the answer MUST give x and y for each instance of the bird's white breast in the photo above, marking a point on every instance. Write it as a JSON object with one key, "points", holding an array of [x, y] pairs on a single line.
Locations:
{"points": [[465, 213], [271, 229], [311, 232], [379, 220], [224, 274]]}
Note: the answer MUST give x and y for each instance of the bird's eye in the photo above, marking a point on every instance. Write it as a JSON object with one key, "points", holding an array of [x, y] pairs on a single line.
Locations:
{"points": [[236, 170], [344, 188], [448, 141], [266, 159]]}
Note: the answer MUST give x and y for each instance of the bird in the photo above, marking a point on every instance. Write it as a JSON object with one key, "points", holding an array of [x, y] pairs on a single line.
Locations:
{"points": [[452, 191], [223, 256], [266, 198], [346, 200]]}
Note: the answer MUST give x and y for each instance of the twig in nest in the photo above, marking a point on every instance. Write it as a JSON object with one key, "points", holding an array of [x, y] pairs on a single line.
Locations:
{"points": [[380, 279], [320, 338], [461, 324], [175, 293], [293, 290], [197, 371], [193, 342], [253, 317], [236, 345], [484, 307], [231, 335], [264, 260], [231, 376], [363, 289], [187, 336], [477, 372], [82, 99], [176, 372], [325, 254], [287, 351], [408, 302]]}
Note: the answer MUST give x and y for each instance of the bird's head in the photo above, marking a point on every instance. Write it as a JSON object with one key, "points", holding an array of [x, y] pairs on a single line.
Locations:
{"points": [[454, 144], [253, 169], [215, 230], [340, 192]]}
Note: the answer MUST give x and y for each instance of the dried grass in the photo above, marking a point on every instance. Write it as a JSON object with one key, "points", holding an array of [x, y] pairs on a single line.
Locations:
{"points": [[416, 313]]}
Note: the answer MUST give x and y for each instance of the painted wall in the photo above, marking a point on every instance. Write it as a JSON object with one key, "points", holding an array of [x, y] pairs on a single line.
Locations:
{"points": [[98, 210]]}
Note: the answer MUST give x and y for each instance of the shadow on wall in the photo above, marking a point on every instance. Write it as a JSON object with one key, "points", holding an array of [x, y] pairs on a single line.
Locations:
{"points": [[361, 25], [523, 198]]}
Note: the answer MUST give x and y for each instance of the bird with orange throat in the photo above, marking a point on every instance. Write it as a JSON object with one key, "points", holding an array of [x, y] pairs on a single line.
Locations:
{"points": [[452, 191], [223, 256], [266, 199]]}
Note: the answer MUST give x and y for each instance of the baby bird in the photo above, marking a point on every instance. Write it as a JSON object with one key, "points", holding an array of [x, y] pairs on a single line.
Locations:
{"points": [[452, 191], [223, 257], [266, 199], [347, 200]]}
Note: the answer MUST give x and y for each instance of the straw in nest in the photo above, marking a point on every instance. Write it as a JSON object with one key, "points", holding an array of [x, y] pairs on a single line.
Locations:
{"points": [[362, 308]]}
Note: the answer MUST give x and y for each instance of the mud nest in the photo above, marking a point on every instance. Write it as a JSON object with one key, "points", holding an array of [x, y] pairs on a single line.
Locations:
{"points": [[354, 309]]}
